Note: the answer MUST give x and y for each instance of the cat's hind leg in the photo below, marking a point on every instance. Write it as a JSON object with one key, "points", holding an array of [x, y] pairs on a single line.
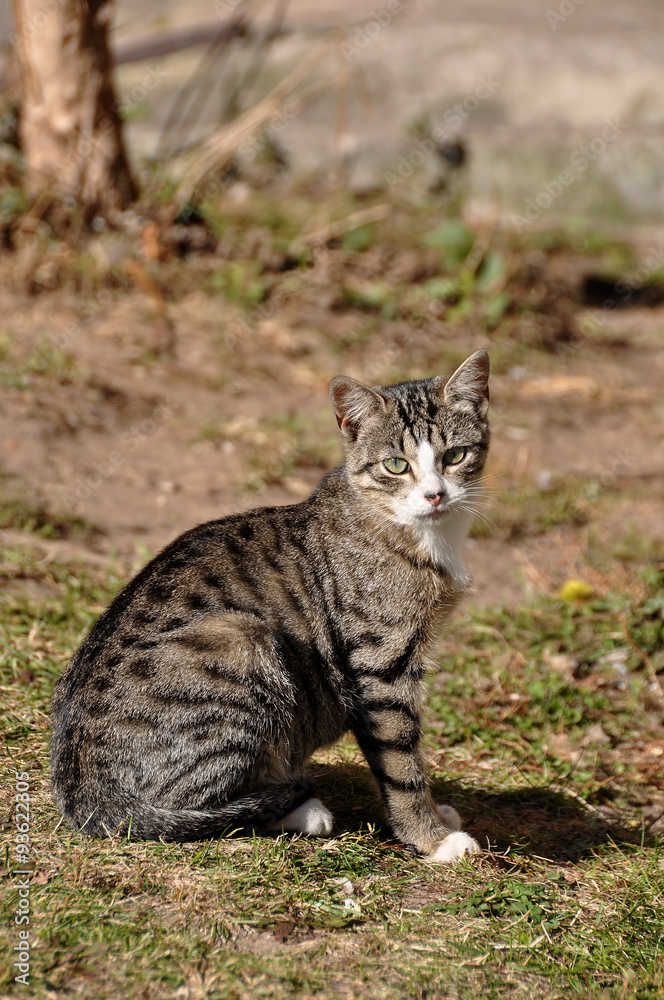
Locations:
{"points": [[311, 818]]}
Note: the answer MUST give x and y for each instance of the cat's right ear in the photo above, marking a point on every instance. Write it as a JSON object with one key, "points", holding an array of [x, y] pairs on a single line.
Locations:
{"points": [[353, 402]]}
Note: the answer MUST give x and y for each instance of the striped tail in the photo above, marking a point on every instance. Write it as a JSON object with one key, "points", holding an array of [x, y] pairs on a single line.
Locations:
{"points": [[124, 815]]}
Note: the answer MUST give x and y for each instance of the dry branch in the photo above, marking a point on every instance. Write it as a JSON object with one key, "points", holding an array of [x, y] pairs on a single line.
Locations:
{"points": [[219, 148]]}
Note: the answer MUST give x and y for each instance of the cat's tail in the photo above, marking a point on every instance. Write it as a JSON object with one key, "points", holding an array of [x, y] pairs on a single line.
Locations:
{"points": [[126, 816]]}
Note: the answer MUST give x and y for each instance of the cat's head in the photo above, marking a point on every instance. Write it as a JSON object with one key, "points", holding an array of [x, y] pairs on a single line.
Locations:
{"points": [[415, 449]]}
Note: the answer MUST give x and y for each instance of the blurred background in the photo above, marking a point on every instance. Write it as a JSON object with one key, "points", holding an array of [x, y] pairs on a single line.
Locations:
{"points": [[207, 210]]}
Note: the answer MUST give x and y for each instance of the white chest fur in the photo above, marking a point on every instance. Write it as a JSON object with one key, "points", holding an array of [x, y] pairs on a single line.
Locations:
{"points": [[443, 542]]}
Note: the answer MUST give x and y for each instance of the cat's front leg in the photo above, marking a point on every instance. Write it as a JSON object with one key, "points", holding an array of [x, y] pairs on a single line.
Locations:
{"points": [[387, 728]]}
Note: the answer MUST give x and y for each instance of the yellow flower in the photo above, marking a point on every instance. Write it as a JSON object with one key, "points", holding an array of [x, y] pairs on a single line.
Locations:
{"points": [[575, 590]]}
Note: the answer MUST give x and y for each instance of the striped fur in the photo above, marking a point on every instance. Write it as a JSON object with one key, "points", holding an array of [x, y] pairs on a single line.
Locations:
{"points": [[196, 700]]}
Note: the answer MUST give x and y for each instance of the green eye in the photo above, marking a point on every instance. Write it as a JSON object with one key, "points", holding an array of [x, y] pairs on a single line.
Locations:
{"points": [[396, 465], [454, 455]]}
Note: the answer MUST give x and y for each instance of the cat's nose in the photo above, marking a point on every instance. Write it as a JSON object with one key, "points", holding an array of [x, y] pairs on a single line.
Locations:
{"points": [[435, 498]]}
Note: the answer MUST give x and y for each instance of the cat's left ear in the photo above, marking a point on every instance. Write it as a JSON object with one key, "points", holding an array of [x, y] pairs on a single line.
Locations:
{"points": [[354, 402], [470, 383]]}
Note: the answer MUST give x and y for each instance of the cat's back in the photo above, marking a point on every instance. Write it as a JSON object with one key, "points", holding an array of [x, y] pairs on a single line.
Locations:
{"points": [[261, 562]]}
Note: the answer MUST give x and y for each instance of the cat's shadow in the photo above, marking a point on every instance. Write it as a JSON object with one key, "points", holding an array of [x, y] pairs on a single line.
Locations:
{"points": [[538, 822]]}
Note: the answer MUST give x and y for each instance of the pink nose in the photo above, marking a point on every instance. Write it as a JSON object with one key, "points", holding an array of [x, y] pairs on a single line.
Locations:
{"points": [[434, 498]]}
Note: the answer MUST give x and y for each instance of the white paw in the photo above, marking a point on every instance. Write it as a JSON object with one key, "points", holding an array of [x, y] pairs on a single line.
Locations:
{"points": [[449, 816], [311, 818], [453, 848]]}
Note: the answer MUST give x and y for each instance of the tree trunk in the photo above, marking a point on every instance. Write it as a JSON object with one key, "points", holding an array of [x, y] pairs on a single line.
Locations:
{"points": [[71, 133]]}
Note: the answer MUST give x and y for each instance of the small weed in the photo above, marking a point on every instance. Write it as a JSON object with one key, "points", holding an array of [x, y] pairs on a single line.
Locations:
{"points": [[22, 513], [532, 511], [278, 446], [52, 363], [635, 547], [239, 283], [372, 296], [454, 239], [45, 361], [13, 204], [359, 239]]}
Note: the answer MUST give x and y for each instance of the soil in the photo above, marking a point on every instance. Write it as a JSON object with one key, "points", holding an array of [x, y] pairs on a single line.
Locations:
{"points": [[142, 448]]}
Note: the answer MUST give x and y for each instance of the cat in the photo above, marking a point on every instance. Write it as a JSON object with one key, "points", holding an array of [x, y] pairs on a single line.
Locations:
{"points": [[193, 705]]}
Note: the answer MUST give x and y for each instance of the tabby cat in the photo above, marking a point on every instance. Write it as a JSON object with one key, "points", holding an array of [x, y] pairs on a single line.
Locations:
{"points": [[193, 705]]}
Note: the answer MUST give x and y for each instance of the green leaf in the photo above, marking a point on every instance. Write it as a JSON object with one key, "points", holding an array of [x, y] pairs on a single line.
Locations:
{"points": [[358, 239], [496, 308], [491, 269], [454, 238]]}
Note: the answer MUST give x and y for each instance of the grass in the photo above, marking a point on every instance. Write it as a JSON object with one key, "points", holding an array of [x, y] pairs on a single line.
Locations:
{"points": [[278, 447], [545, 730], [18, 370], [417, 264], [522, 510], [518, 513], [24, 513]]}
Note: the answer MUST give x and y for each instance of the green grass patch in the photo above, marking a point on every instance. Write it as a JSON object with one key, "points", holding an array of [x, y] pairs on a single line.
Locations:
{"points": [[277, 447], [532, 510], [18, 370], [544, 729], [24, 513]]}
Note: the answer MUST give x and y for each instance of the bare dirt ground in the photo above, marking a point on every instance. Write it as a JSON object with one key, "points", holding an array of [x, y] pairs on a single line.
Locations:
{"points": [[142, 448]]}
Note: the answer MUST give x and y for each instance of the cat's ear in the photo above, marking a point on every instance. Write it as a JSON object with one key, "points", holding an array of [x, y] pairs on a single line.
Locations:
{"points": [[470, 383], [353, 402]]}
